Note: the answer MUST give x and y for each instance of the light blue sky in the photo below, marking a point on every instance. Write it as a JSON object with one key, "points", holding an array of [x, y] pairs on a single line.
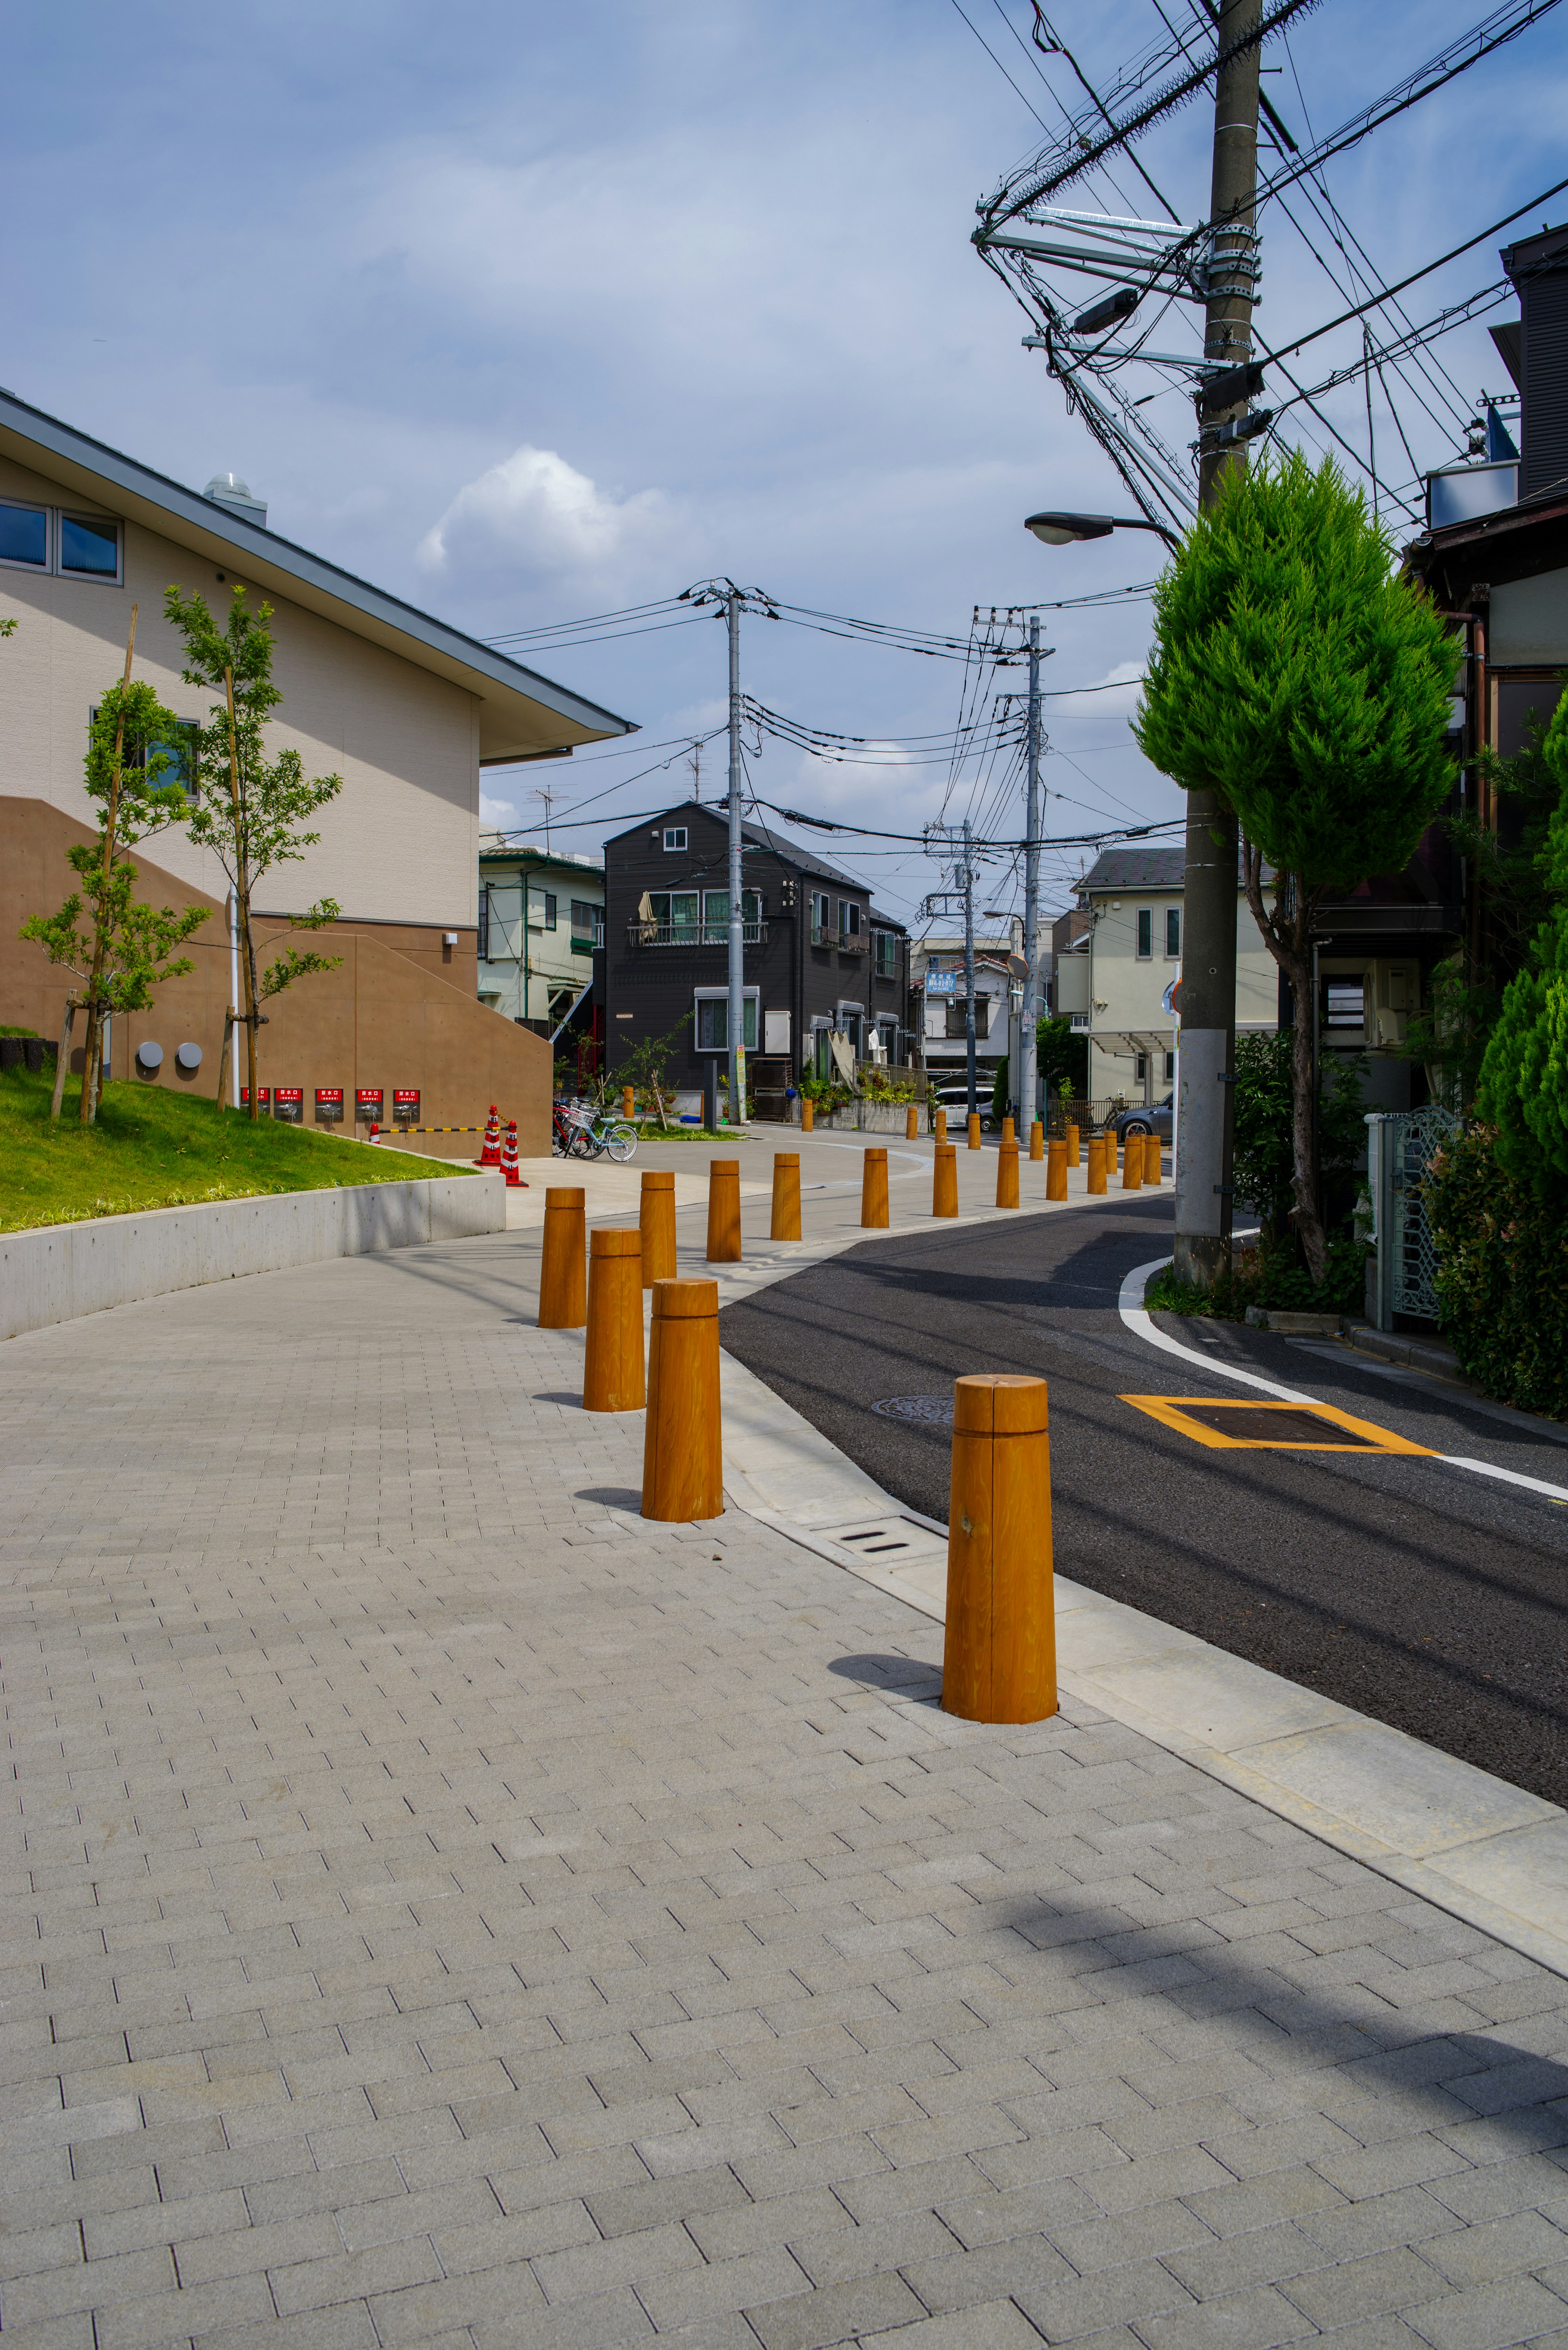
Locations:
{"points": [[526, 312]]}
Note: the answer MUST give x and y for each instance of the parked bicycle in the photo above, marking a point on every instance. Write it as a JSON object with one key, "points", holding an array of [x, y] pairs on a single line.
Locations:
{"points": [[579, 1131]]}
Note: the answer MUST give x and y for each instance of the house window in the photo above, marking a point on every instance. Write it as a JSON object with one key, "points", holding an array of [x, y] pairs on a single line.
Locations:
{"points": [[848, 919], [541, 910], [1345, 1004], [484, 925], [1172, 933], [1170, 1068], [1142, 1068], [1144, 932], [819, 919], [181, 755], [821, 1048], [587, 924], [675, 836], [90, 545], [887, 954], [25, 535], [956, 1007], [713, 1023]]}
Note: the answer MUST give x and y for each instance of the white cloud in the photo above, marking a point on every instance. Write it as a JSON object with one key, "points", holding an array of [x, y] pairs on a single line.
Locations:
{"points": [[534, 520], [499, 816], [1118, 697]]}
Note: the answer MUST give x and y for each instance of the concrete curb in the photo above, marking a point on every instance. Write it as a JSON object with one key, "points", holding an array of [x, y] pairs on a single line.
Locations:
{"points": [[62, 1270]]}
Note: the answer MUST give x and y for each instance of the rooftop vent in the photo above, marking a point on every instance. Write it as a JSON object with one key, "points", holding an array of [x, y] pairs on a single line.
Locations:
{"points": [[228, 489]]}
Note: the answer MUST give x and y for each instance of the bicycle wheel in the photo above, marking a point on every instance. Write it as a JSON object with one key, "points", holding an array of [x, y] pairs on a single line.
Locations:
{"points": [[620, 1142]]}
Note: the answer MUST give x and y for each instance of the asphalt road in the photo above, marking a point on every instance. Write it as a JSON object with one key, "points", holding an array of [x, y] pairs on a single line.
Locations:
{"points": [[1430, 1597]]}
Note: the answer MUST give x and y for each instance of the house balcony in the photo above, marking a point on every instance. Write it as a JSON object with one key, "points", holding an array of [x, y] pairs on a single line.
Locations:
{"points": [[693, 934]]}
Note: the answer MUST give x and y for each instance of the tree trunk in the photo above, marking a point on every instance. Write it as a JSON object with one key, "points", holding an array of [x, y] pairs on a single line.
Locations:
{"points": [[223, 1056], [92, 1053], [242, 900], [62, 1059]]}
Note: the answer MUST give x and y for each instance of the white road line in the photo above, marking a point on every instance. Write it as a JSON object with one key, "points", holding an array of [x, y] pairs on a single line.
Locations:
{"points": [[1130, 1307]]}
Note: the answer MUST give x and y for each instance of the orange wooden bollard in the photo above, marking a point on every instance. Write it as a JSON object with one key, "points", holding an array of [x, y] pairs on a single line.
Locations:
{"points": [[682, 1454], [563, 1275], [724, 1211], [786, 1225], [1007, 1175], [911, 1123], [1071, 1146], [1132, 1162], [1037, 1138], [1096, 1162], [1009, 1131], [1109, 1140], [655, 1223], [998, 1653], [874, 1191], [1151, 1169], [941, 1126], [808, 1115], [1056, 1168], [627, 1101], [612, 1367], [944, 1181], [974, 1129]]}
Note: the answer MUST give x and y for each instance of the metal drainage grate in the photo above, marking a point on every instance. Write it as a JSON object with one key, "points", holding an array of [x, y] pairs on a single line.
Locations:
{"points": [[926, 1411]]}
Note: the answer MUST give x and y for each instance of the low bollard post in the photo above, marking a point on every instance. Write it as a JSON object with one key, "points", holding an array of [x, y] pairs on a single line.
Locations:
{"points": [[874, 1192], [1109, 1140], [1132, 1162], [1151, 1169], [1037, 1138], [974, 1129], [911, 1124], [999, 1652], [724, 1211], [1009, 1131], [683, 1455], [944, 1181], [808, 1115], [941, 1126], [563, 1273], [1056, 1168], [655, 1223], [1096, 1162], [612, 1366], [627, 1101], [1007, 1174], [786, 1225], [1071, 1146]]}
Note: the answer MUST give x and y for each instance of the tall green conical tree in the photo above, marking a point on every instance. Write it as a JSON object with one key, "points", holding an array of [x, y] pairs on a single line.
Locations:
{"points": [[1295, 669], [1524, 1086]]}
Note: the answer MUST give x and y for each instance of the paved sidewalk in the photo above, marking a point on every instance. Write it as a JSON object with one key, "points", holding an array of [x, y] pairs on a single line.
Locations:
{"points": [[445, 1910]]}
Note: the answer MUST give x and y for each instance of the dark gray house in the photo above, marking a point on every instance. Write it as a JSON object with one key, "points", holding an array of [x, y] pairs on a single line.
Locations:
{"points": [[818, 955]]}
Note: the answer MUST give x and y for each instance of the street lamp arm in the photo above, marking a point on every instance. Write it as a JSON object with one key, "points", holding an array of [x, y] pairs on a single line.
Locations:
{"points": [[1069, 529]]}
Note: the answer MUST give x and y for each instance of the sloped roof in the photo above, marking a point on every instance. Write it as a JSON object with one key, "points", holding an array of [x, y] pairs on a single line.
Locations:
{"points": [[1136, 868], [758, 834], [522, 715]]}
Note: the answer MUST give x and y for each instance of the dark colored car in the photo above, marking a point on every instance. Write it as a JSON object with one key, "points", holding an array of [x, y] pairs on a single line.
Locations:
{"points": [[1158, 1119]]}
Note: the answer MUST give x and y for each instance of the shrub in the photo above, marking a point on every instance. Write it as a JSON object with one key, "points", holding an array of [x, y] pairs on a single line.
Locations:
{"points": [[1503, 1275], [1272, 1276]]}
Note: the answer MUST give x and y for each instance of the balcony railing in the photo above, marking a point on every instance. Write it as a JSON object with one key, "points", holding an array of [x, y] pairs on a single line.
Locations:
{"points": [[693, 934]]}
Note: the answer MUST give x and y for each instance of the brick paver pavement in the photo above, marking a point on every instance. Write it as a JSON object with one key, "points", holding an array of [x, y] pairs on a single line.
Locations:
{"points": [[442, 1910]]}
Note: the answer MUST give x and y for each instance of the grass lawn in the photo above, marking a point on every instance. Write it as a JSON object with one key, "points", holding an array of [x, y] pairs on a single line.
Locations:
{"points": [[154, 1149]]}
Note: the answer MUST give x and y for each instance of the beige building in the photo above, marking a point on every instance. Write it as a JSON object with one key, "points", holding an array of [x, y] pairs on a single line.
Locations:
{"points": [[1112, 981], [408, 711]]}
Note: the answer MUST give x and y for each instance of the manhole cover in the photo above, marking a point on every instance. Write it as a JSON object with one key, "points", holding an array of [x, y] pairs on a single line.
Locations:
{"points": [[928, 1411]]}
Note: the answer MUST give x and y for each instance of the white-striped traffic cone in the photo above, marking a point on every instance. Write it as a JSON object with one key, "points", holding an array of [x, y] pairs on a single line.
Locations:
{"points": [[491, 1154], [508, 1166]]}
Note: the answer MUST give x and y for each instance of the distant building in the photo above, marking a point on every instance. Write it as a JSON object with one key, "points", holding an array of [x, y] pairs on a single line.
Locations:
{"points": [[541, 917], [937, 970], [819, 957]]}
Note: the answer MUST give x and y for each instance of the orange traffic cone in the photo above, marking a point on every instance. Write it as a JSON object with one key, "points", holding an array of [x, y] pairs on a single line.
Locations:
{"points": [[375, 1133], [491, 1154], [508, 1166]]}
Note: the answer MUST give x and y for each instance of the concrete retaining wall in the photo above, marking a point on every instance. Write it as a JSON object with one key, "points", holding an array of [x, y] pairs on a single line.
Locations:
{"points": [[871, 1118], [62, 1270]]}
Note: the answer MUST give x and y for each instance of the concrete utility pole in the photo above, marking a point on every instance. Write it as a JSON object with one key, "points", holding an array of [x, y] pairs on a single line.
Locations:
{"points": [[1203, 1182], [737, 1019], [964, 876], [1028, 1040]]}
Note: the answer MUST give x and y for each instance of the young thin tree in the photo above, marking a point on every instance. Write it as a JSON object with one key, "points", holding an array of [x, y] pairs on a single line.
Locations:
{"points": [[252, 808], [1295, 668], [117, 947]]}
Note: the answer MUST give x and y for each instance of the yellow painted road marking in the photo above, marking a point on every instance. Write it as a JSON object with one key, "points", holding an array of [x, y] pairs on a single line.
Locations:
{"points": [[1227, 1423]]}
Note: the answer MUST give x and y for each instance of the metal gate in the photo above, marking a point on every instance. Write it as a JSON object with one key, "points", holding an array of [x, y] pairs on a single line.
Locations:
{"points": [[1400, 1147]]}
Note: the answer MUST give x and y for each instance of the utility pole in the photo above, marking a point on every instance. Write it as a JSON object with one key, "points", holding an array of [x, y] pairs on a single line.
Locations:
{"points": [[1206, 1110], [737, 1019], [939, 902], [1028, 1041]]}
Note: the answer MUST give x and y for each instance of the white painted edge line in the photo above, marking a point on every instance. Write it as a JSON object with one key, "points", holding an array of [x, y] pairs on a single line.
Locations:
{"points": [[1130, 1307]]}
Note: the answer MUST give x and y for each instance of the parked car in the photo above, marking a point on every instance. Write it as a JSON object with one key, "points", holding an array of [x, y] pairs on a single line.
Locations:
{"points": [[954, 1098], [1158, 1120]]}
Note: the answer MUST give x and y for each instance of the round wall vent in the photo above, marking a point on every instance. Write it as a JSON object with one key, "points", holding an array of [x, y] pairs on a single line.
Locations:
{"points": [[149, 1058], [188, 1057]]}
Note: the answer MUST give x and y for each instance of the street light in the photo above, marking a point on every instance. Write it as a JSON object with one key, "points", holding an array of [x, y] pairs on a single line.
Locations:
{"points": [[1069, 529]]}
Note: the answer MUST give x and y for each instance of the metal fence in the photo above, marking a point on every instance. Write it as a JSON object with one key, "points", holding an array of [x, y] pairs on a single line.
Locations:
{"points": [[1400, 1147]]}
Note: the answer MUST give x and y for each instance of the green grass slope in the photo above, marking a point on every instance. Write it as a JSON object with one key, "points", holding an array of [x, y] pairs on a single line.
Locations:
{"points": [[154, 1149]]}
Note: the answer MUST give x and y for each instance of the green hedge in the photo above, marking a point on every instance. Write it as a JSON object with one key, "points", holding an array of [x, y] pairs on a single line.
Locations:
{"points": [[1503, 1276]]}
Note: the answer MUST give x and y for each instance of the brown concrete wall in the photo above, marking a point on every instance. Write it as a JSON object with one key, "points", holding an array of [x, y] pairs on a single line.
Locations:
{"points": [[399, 1010]]}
